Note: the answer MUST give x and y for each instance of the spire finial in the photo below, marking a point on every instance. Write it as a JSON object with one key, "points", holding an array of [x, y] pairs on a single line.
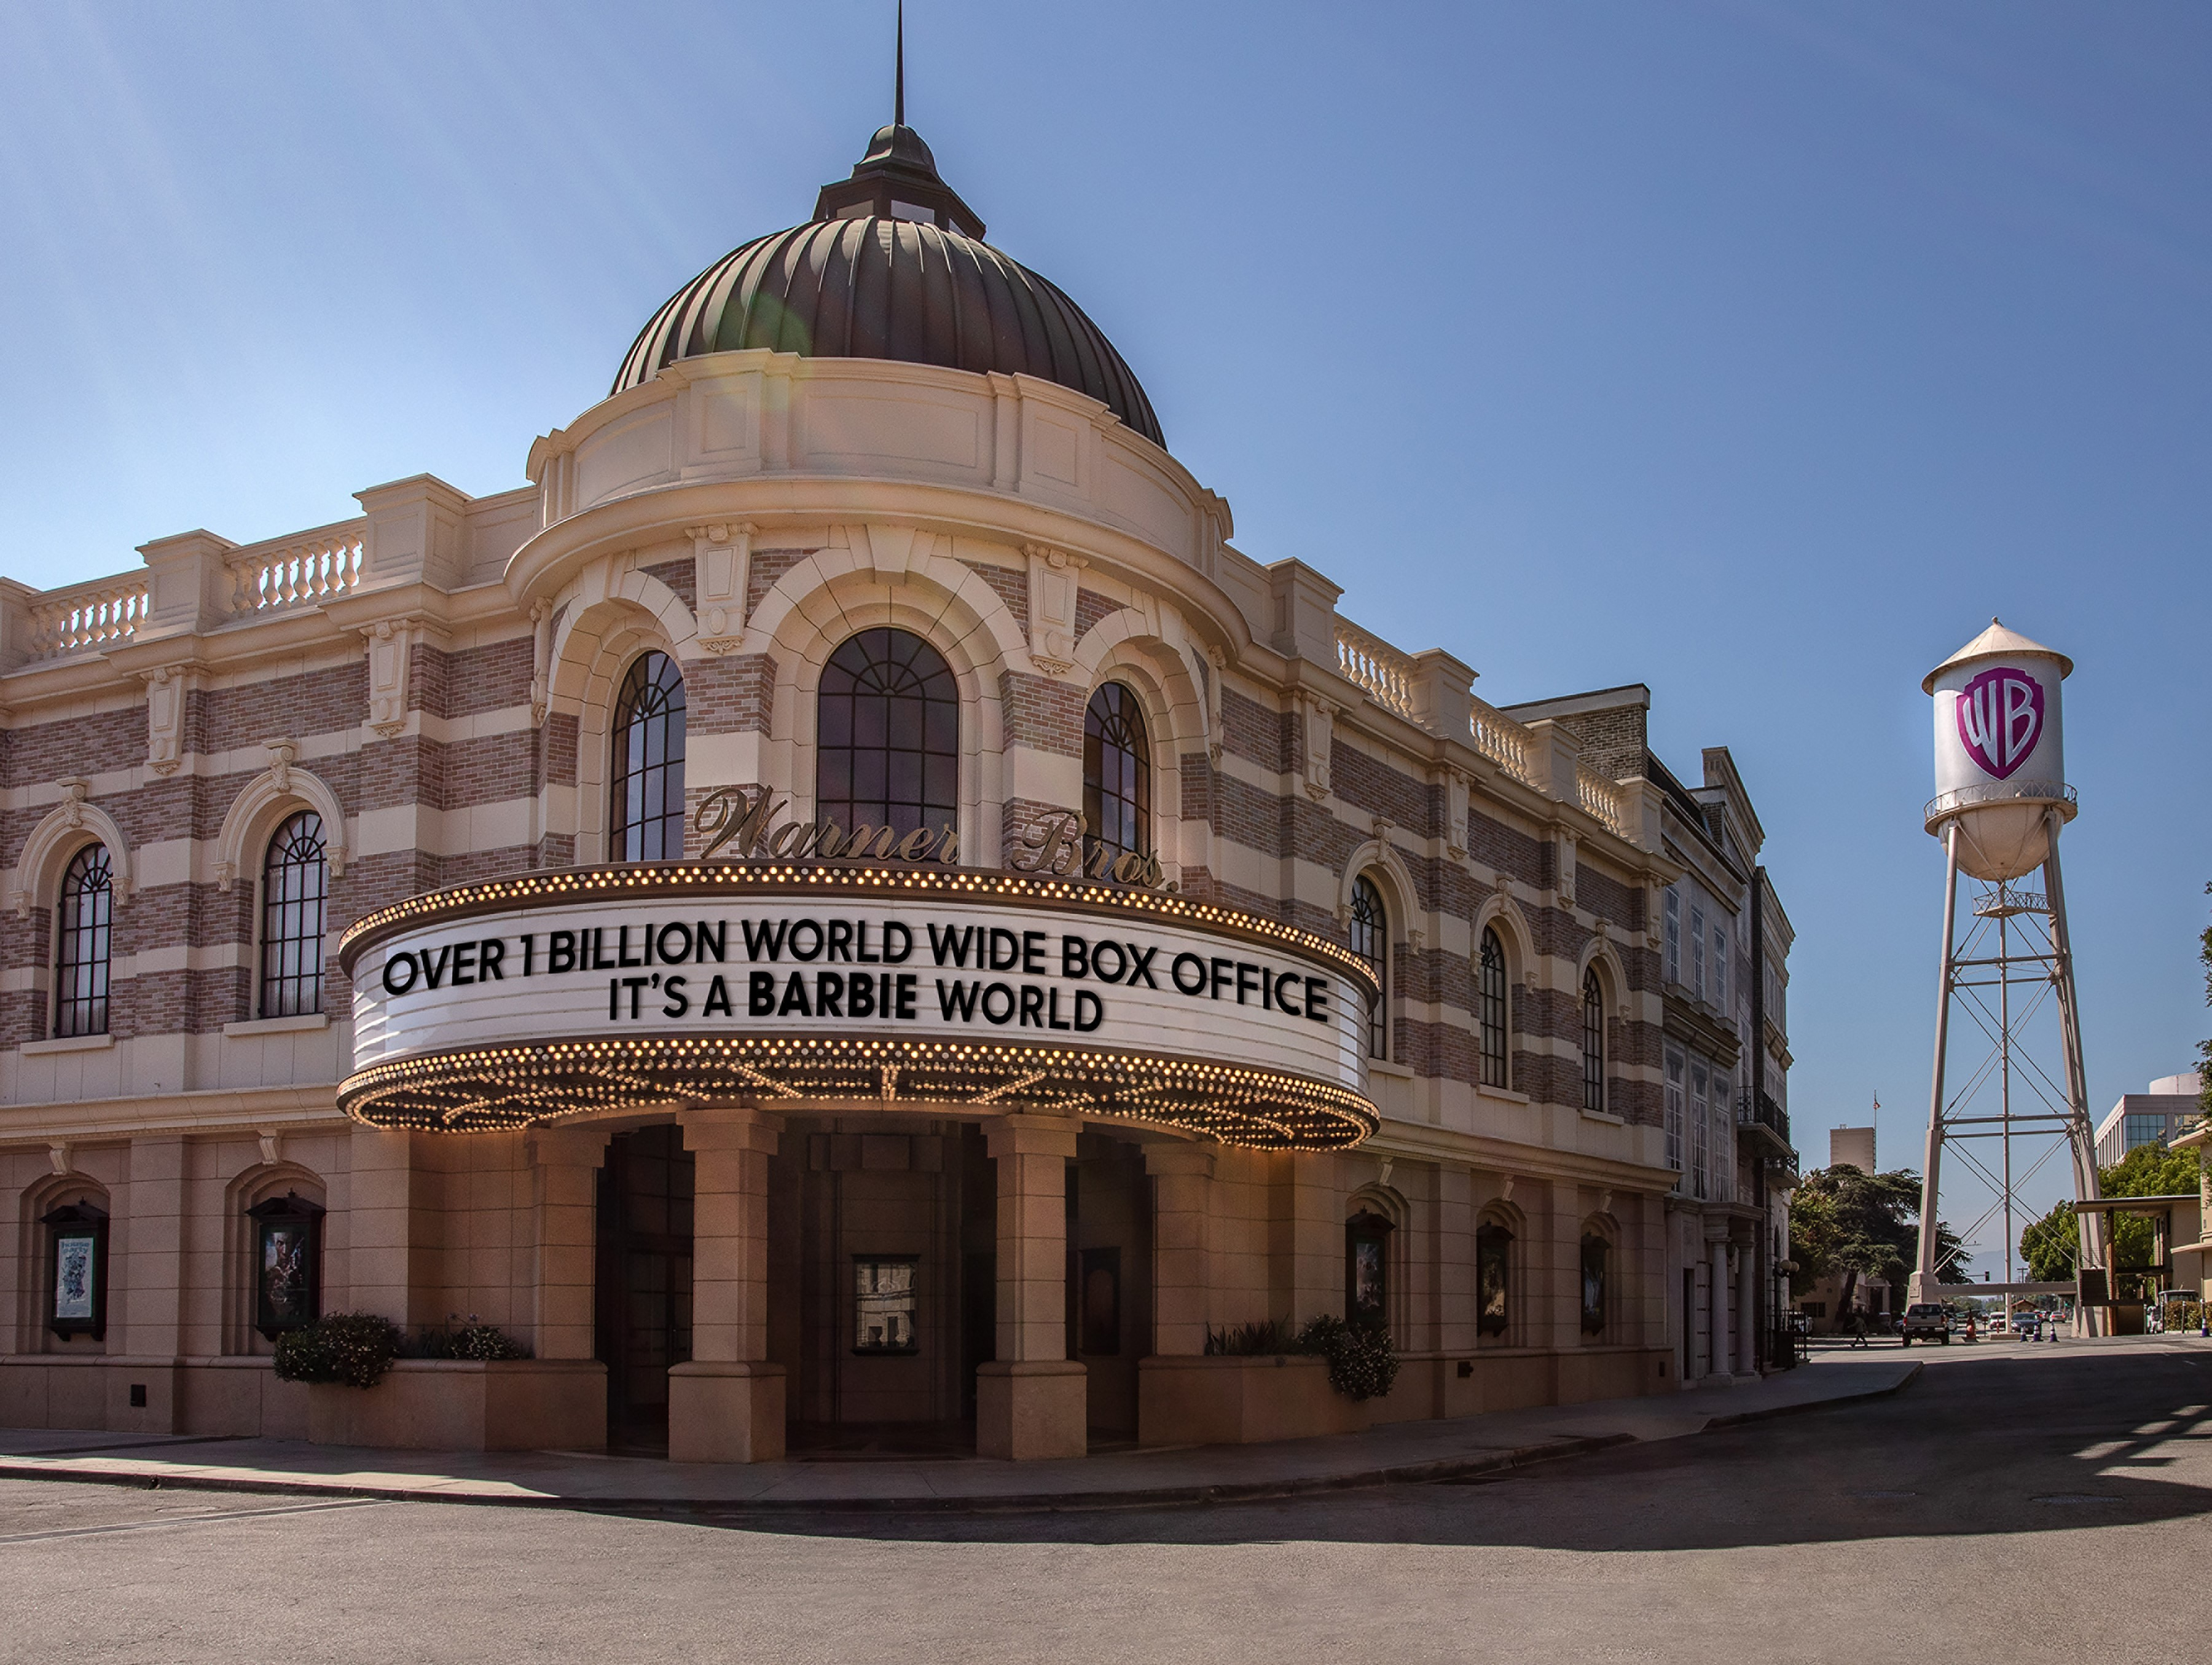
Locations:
{"points": [[898, 96]]}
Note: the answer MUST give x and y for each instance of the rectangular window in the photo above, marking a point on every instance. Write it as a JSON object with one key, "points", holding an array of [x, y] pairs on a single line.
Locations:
{"points": [[885, 1304], [1700, 1173], [1697, 949], [1723, 1151], [1721, 966], [1674, 934], [1676, 1065]]}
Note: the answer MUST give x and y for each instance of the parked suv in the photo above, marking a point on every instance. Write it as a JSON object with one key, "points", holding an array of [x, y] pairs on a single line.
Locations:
{"points": [[1928, 1322]]}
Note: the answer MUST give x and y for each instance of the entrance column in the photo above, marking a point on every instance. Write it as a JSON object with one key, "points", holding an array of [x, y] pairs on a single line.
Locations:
{"points": [[726, 1403], [1032, 1400], [1183, 1186], [1716, 1307], [564, 1165]]}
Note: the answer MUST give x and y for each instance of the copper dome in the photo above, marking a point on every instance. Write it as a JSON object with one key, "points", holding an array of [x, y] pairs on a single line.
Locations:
{"points": [[893, 265]]}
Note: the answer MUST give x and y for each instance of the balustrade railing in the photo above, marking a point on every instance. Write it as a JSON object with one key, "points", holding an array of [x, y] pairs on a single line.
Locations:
{"points": [[1506, 743], [300, 572], [85, 617], [1385, 673], [1603, 799]]}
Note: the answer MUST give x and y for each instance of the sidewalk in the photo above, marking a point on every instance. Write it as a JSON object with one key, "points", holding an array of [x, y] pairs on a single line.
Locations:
{"points": [[1412, 1451]]}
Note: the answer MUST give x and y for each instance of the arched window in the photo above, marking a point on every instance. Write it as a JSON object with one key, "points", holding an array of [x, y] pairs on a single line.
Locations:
{"points": [[645, 816], [1117, 774], [1489, 1009], [1370, 940], [1593, 1041], [82, 928], [295, 887], [887, 744]]}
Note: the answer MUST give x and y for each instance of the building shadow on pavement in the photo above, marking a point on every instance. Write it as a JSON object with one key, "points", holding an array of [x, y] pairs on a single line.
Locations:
{"points": [[1987, 1446]]}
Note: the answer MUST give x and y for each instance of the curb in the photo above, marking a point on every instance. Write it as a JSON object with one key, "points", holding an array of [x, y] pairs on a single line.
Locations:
{"points": [[1739, 1417], [1172, 1497]]}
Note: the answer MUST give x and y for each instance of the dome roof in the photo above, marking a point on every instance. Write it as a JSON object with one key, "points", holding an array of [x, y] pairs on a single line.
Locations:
{"points": [[893, 265]]}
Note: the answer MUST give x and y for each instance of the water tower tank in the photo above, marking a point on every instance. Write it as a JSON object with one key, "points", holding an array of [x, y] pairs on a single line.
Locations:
{"points": [[2000, 758]]}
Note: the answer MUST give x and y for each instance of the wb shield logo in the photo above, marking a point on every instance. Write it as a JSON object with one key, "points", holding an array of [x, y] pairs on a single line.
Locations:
{"points": [[2001, 718]]}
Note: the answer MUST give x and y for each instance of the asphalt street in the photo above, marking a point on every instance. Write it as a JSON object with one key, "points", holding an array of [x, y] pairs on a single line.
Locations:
{"points": [[2016, 1502]]}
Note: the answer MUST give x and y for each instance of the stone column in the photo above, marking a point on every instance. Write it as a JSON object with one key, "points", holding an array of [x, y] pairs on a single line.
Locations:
{"points": [[149, 1277], [1746, 1321], [1032, 1400], [1716, 1307], [726, 1403], [564, 1164], [1183, 1186]]}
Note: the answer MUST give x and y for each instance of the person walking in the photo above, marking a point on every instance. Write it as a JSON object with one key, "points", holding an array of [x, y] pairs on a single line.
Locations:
{"points": [[1858, 1329]]}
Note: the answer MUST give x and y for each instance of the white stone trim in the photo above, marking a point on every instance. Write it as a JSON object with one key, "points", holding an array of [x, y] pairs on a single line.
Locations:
{"points": [[66, 829]]}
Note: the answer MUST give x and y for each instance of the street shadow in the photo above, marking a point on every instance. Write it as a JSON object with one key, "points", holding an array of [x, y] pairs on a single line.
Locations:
{"points": [[1998, 1445]]}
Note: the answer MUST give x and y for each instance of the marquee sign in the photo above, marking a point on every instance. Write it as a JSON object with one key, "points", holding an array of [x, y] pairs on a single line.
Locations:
{"points": [[529, 1000]]}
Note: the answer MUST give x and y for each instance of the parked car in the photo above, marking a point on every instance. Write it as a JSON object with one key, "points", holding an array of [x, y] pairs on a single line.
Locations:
{"points": [[1926, 1321]]}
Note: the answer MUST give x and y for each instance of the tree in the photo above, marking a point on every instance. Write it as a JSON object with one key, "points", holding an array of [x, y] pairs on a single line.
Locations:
{"points": [[2051, 1245], [2204, 1051], [1843, 1220]]}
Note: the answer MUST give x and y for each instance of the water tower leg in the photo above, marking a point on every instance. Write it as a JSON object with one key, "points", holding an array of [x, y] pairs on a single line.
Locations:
{"points": [[1927, 1275], [2094, 1243]]}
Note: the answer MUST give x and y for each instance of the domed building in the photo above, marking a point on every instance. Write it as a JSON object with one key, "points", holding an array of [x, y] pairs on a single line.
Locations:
{"points": [[845, 912]]}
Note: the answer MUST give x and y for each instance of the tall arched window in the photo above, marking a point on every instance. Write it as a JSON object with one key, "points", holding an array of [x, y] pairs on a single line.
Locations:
{"points": [[1370, 940], [1117, 774], [887, 747], [1490, 1007], [82, 928], [294, 889], [645, 816], [1593, 1041]]}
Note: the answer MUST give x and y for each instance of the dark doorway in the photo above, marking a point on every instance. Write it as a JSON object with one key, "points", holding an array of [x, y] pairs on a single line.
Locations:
{"points": [[644, 1280]]}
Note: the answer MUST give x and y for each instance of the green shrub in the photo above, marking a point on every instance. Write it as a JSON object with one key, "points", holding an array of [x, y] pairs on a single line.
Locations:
{"points": [[1269, 1335], [486, 1342], [1362, 1363], [353, 1350]]}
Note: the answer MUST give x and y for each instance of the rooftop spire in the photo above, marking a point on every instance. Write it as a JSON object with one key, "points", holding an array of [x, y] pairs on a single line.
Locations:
{"points": [[898, 95]]}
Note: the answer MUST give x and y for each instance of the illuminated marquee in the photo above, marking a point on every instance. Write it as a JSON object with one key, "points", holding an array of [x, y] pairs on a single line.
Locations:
{"points": [[532, 999]]}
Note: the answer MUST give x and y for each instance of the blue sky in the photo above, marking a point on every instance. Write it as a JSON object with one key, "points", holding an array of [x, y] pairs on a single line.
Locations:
{"points": [[1757, 352]]}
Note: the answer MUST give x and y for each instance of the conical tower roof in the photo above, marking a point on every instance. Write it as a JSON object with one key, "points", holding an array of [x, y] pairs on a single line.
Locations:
{"points": [[1995, 642]]}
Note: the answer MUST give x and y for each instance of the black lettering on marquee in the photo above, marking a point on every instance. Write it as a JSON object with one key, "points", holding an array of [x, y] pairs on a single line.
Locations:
{"points": [[718, 997], [948, 943], [1005, 951], [763, 940], [760, 999], [956, 999], [678, 1002], [813, 951], [1198, 968], [561, 952]]}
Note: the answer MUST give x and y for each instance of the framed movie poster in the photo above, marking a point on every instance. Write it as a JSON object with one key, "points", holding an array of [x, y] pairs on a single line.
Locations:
{"points": [[1367, 1268], [78, 1234], [1493, 1279], [1595, 1249], [287, 1264]]}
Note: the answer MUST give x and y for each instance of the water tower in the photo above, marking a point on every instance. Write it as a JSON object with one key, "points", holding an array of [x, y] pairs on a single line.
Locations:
{"points": [[2001, 802]]}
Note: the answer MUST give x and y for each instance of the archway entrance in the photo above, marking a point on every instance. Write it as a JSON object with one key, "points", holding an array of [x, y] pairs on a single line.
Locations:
{"points": [[644, 1280]]}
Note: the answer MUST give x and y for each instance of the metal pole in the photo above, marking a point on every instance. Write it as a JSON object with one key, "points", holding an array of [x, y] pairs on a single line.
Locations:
{"points": [[1923, 1282], [2086, 1186], [2004, 1070]]}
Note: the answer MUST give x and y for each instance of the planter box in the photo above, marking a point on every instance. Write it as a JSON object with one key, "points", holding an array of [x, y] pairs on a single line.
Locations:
{"points": [[468, 1405], [1240, 1401]]}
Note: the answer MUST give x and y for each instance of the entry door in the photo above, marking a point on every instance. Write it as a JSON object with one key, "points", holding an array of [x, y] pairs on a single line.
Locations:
{"points": [[644, 1278]]}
